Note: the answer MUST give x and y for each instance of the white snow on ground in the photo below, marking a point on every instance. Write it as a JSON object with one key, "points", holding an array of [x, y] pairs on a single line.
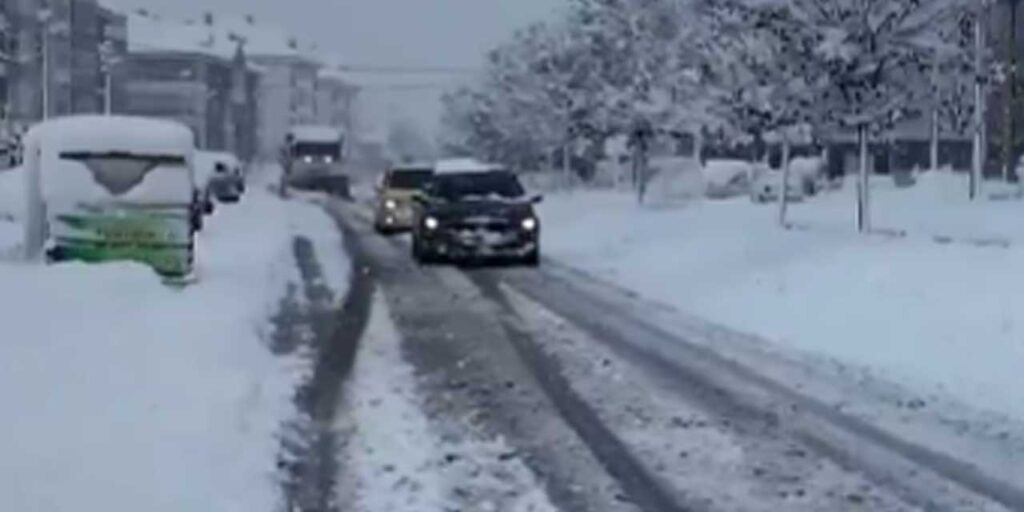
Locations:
{"points": [[701, 458], [928, 315], [121, 393], [395, 459]]}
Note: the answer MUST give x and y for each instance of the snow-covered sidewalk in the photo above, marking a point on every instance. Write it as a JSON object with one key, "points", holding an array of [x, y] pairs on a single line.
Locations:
{"points": [[121, 393], [943, 318]]}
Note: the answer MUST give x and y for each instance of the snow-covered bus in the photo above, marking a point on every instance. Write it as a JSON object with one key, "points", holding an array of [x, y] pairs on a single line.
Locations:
{"points": [[104, 188], [312, 159]]}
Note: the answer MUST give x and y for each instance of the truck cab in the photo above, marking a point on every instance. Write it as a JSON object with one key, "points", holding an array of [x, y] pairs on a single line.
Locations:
{"points": [[312, 159]]}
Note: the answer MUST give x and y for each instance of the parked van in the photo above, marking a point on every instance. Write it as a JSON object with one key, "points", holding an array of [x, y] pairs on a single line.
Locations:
{"points": [[103, 188]]}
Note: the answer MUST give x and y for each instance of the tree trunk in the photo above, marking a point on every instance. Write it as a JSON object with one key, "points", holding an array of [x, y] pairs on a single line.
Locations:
{"points": [[567, 165], [1009, 128], [863, 183], [934, 143], [784, 186], [977, 141]]}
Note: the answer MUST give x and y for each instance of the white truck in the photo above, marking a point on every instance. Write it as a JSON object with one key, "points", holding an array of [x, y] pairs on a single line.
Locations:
{"points": [[312, 159]]}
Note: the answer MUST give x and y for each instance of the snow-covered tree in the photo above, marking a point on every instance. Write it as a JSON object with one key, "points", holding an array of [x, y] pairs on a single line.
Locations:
{"points": [[406, 141], [864, 60]]}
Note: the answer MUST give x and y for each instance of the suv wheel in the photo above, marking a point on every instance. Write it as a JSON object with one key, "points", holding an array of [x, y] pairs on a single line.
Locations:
{"points": [[532, 259], [419, 254]]}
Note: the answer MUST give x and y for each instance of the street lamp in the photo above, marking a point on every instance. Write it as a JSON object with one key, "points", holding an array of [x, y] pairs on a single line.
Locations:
{"points": [[44, 16], [109, 59]]}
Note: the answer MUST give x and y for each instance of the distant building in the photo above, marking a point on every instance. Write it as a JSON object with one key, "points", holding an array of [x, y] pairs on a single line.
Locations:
{"points": [[335, 101], [8, 40], [196, 73], [72, 32]]}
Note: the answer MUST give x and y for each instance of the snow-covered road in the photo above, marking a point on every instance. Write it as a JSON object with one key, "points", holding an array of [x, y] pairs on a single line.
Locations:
{"points": [[615, 402]]}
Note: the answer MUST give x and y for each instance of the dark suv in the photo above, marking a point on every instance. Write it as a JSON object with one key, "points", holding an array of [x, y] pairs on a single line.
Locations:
{"points": [[475, 215]]}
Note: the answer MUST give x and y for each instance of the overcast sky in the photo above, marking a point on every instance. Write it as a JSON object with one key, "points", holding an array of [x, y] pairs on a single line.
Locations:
{"points": [[386, 32]]}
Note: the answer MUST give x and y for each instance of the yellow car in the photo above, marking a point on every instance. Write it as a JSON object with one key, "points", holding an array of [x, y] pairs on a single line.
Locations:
{"points": [[395, 191]]}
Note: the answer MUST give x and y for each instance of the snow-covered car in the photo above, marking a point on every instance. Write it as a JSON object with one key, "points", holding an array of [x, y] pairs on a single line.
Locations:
{"points": [[810, 173], [724, 178], [395, 190], [221, 176], [765, 184], [475, 211], [104, 188]]}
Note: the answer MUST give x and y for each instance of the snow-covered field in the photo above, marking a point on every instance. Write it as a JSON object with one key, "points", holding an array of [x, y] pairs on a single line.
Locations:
{"points": [[121, 393], [943, 317]]}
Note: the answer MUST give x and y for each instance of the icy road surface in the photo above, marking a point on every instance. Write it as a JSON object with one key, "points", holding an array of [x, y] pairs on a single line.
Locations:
{"points": [[583, 397]]}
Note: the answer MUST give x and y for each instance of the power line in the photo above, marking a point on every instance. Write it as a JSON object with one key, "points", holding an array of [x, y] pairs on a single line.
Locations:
{"points": [[406, 70]]}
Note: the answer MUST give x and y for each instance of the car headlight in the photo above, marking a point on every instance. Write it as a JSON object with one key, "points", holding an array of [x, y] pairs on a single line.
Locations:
{"points": [[308, 159], [431, 223], [390, 204], [329, 159], [529, 224]]}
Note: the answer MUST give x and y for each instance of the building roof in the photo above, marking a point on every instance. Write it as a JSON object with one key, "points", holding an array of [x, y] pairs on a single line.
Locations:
{"points": [[151, 33], [215, 36]]}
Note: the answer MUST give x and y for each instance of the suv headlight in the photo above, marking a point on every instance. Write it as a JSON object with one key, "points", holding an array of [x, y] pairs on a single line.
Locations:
{"points": [[329, 159], [390, 204], [431, 223], [529, 224], [308, 159]]}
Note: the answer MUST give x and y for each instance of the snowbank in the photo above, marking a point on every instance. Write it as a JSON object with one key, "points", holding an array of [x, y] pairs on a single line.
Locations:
{"points": [[12, 211], [935, 317], [720, 172], [124, 394], [806, 167]]}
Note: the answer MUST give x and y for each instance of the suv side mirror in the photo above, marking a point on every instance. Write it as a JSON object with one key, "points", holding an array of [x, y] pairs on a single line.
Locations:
{"points": [[421, 199], [537, 199]]}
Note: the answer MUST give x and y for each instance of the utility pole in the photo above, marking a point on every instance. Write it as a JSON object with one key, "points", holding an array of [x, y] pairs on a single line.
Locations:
{"points": [[44, 19]]}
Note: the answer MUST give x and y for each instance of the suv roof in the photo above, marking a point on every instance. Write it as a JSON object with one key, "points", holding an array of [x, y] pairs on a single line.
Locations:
{"points": [[465, 166]]}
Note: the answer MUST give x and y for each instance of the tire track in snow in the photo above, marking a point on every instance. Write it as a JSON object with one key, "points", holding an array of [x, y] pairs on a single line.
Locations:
{"points": [[329, 337], [924, 478], [395, 458], [641, 488]]}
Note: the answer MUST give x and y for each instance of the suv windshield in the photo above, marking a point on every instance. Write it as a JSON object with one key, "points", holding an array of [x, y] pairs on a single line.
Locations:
{"points": [[501, 184], [409, 179]]}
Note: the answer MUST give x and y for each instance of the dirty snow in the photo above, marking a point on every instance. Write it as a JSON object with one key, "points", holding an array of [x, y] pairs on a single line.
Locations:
{"points": [[122, 393], [705, 459], [396, 461]]}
